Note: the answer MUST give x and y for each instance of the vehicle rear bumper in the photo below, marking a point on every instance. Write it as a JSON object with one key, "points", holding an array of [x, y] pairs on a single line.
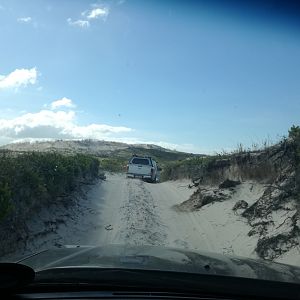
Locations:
{"points": [[143, 176]]}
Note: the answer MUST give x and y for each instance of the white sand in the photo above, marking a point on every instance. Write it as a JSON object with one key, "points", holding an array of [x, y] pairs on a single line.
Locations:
{"points": [[130, 211], [214, 227]]}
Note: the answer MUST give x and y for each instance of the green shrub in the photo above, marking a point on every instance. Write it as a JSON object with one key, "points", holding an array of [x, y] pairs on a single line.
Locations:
{"points": [[294, 134], [27, 180], [5, 200], [188, 168], [113, 164]]}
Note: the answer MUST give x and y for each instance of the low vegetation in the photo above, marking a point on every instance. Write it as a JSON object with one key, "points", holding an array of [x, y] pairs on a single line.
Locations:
{"points": [[30, 180], [294, 135], [161, 155], [188, 168], [117, 161], [196, 167], [113, 164]]}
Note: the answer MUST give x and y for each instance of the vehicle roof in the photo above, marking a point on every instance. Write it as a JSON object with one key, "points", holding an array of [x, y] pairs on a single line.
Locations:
{"points": [[141, 156]]}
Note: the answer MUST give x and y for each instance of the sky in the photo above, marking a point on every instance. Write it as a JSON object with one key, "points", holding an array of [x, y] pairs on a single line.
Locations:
{"points": [[186, 75]]}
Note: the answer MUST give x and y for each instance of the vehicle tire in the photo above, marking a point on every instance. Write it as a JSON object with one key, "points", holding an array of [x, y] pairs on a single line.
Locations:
{"points": [[154, 180]]}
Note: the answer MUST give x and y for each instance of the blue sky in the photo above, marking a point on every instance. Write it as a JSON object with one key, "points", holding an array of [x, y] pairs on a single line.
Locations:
{"points": [[189, 76]]}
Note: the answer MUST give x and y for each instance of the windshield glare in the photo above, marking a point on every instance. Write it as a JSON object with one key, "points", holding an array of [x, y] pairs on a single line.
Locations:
{"points": [[160, 124]]}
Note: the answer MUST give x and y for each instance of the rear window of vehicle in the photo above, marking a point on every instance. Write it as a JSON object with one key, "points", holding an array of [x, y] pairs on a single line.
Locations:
{"points": [[140, 161]]}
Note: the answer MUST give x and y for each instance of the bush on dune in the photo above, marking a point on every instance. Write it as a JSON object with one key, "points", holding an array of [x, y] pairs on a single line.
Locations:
{"points": [[27, 181]]}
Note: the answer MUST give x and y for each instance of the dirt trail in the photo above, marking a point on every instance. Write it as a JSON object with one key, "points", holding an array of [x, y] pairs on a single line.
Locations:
{"points": [[136, 212], [131, 211]]}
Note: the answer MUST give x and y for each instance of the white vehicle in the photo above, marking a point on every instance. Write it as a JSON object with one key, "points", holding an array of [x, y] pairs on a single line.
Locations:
{"points": [[142, 167]]}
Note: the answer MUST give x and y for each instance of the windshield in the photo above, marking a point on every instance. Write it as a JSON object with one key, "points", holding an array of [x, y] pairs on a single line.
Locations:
{"points": [[140, 161], [92, 92]]}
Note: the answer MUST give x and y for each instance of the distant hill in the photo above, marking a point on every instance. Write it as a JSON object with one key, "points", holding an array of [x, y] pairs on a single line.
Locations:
{"points": [[104, 149]]}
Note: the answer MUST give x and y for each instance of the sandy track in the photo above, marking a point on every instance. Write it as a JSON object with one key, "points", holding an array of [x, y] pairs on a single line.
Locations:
{"points": [[136, 212], [130, 211], [121, 210]]}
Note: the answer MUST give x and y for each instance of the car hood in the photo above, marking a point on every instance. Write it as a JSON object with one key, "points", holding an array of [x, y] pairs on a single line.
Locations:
{"points": [[162, 259]]}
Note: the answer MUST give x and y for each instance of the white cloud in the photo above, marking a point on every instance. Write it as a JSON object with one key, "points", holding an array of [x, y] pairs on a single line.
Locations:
{"points": [[24, 20], [88, 16], [64, 102], [18, 78], [79, 23], [55, 124], [120, 2], [98, 13]]}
